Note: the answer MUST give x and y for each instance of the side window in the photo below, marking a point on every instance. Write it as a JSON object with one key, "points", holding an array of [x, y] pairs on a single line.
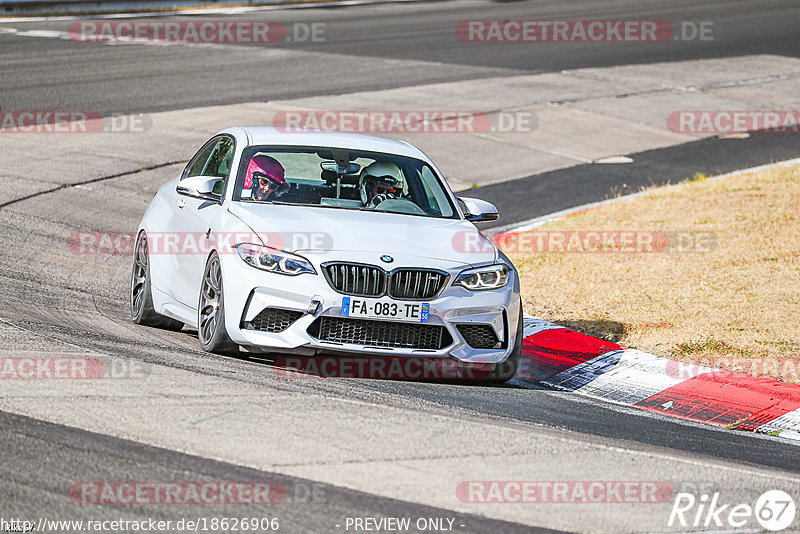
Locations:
{"points": [[219, 164], [436, 196], [198, 163]]}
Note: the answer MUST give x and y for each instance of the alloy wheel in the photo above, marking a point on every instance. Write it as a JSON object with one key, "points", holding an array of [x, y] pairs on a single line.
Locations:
{"points": [[210, 295], [139, 278]]}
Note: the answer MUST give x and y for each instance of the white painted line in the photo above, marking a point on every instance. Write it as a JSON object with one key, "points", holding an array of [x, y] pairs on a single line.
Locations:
{"points": [[530, 224], [202, 11], [613, 160], [66, 36], [47, 34], [785, 163], [536, 222]]}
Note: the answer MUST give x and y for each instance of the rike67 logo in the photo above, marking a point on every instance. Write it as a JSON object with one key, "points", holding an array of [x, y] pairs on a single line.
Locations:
{"points": [[774, 510]]}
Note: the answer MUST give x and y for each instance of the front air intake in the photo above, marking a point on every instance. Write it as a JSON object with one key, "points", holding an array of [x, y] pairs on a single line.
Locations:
{"points": [[371, 333], [273, 320], [480, 336]]}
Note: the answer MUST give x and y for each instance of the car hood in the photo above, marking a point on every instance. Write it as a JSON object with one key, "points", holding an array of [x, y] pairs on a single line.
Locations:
{"points": [[326, 233]]}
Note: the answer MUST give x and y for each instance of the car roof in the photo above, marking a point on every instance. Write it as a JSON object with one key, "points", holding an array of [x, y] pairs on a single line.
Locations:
{"points": [[268, 135]]}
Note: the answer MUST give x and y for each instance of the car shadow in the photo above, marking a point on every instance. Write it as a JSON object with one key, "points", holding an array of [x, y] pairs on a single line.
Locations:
{"points": [[418, 369], [374, 367]]}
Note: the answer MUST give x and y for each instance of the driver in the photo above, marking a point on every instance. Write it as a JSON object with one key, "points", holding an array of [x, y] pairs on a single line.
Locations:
{"points": [[380, 181], [265, 178]]}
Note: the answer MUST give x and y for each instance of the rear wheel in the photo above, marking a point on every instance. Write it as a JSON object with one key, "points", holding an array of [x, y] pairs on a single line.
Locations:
{"points": [[505, 371], [142, 311], [211, 312]]}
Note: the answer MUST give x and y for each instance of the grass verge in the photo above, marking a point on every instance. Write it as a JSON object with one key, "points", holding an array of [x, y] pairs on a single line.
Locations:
{"points": [[705, 272]]}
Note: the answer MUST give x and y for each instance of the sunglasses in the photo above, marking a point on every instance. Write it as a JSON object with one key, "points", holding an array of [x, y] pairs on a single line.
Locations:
{"points": [[383, 187], [262, 180]]}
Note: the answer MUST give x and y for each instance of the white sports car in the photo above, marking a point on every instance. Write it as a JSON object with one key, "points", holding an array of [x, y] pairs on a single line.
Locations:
{"points": [[314, 242]]}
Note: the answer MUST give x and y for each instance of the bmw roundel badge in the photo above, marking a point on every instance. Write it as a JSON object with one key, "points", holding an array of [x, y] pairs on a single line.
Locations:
{"points": [[386, 258]]}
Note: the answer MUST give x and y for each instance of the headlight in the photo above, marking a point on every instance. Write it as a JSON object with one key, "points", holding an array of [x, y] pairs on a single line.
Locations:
{"points": [[482, 278], [274, 261]]}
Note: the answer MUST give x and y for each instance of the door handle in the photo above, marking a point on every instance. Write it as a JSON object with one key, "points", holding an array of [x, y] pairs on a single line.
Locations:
{"points": [[181, 203]]}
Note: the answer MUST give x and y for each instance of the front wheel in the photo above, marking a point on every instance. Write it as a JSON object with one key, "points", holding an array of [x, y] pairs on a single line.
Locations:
{"points": [[211, 312]]}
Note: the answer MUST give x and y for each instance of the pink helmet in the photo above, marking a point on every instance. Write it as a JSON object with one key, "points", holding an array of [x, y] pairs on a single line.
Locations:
{"points": [[266, 165]]}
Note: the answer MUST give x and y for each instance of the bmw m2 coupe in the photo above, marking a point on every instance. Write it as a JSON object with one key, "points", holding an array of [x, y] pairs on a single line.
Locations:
{"points": [[317, 242]]}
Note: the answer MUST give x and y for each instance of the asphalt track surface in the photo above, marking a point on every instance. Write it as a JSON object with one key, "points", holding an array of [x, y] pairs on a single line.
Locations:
{"points": [[42, 73], [38, 300], [41, 447], [549, 192]]}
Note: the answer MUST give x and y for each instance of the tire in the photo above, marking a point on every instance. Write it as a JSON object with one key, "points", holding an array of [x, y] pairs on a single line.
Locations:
{"points": [[211, 311], [505, 371], [142, 311]]}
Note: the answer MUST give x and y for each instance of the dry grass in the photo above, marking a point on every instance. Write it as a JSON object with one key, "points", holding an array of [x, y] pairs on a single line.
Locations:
{"points": [[736, 307]]}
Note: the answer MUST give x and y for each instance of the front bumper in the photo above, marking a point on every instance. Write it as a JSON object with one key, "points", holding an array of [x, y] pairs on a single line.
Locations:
{"points": [[249, 291]]}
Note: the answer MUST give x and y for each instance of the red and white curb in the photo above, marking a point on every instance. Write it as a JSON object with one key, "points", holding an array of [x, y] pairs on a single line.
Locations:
{"points": [[563, 359]]}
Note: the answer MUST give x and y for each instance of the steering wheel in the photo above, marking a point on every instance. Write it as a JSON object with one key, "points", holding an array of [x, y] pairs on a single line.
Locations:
{"points": [[400, 205]]}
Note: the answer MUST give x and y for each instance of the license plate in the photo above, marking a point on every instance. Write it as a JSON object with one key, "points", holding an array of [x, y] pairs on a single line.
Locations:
{"points": [[414, 312]]}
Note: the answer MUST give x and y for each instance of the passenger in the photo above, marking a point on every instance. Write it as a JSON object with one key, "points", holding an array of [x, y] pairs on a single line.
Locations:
{"points": [[265, 178]]}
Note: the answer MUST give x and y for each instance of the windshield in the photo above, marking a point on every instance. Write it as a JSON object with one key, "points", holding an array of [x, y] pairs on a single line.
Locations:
{"points": [[371, 181]]}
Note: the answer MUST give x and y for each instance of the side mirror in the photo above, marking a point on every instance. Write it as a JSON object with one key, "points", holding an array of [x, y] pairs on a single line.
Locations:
{"points": [[476, 210], [202, 187]]}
